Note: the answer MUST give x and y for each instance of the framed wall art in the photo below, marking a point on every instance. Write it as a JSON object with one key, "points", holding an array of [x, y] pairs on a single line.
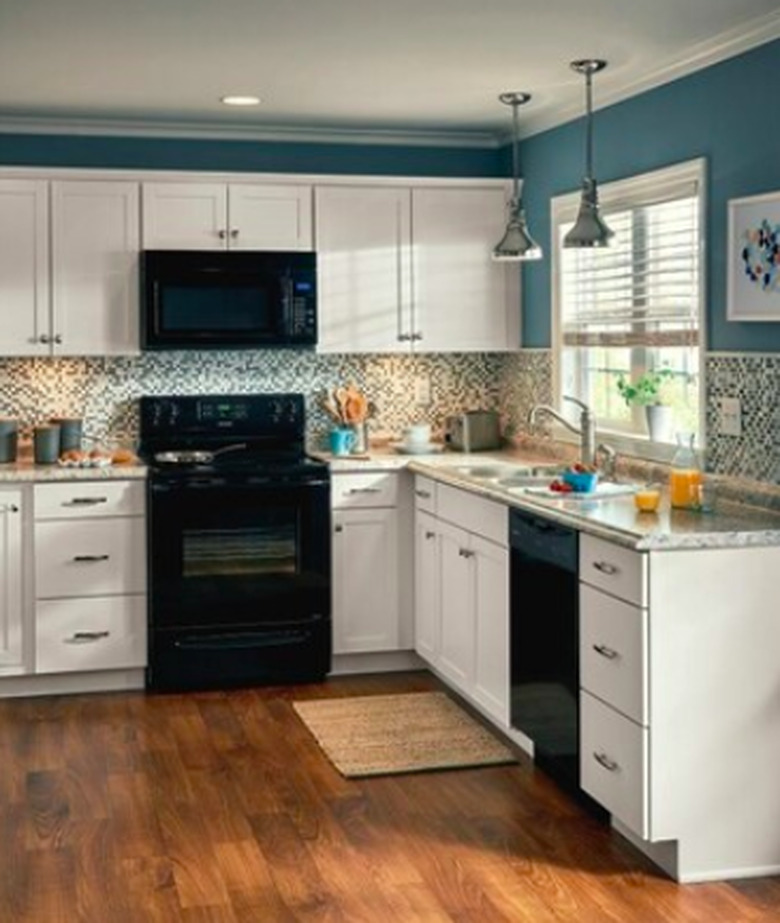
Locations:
{"points": [[754, 258]]}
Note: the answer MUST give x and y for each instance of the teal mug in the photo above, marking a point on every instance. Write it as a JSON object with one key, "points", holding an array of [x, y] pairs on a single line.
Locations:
{"points": [[342, 441]]}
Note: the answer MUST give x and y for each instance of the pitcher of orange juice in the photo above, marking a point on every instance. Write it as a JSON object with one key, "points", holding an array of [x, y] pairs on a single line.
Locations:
{"points": [[685, 477]]}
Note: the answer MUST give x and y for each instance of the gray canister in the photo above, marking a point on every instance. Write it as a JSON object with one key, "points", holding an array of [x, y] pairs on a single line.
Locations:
{"points": [[9, 436], [46, 443], [70, 432]]}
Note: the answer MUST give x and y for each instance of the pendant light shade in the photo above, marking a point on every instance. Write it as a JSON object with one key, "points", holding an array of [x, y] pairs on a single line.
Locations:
{"points": [[516, 244], [589, 229]]}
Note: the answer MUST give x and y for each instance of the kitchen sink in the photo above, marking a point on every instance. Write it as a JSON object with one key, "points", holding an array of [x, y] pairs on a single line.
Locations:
{"points": [[521, 481], [488, 472], [506, 472]]}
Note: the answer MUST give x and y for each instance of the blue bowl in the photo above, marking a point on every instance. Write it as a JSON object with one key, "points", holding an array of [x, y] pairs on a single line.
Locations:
{"points": [[582, 482]]}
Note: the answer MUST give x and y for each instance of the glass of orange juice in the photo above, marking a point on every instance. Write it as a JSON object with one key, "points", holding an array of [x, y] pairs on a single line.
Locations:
{"points": [[647, 498]]}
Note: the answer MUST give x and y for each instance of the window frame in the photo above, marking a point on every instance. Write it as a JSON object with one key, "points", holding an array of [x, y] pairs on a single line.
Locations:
{"points": [[629, 192]]}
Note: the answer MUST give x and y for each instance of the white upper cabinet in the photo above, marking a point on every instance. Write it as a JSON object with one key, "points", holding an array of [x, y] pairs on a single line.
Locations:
{"points": [[461, 297], [222, 216], [95, 245], [404, 268], [24, 267], [363, 268], [265, 217]]}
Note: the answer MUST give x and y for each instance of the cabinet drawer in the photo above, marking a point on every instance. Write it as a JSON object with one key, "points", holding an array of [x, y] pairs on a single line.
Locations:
{"points": [[620, 571], [467, 511], [90, 634], [372, 489], [424, 494], [100, 557], [613, 652], [82, 499], [613, 762]]}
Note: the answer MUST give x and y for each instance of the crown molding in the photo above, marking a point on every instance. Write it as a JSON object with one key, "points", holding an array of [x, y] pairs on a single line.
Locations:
{"points": [[719, 48], [138, 128]]}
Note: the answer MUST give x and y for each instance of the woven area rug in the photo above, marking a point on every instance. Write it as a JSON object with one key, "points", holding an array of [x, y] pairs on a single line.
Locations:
{"points": [[384, 734]]}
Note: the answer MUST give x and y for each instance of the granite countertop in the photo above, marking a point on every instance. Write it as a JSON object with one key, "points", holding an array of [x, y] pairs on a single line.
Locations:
{"points": [[27, 471], [730, 525]]}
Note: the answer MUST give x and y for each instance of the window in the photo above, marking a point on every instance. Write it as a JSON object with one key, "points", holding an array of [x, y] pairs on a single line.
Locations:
{"points": [[636, 305]]}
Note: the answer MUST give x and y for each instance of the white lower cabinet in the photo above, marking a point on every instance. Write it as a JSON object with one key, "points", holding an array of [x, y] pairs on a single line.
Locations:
{"points": [[90, 576], [365, 551], [11, 577], [462, 595]]}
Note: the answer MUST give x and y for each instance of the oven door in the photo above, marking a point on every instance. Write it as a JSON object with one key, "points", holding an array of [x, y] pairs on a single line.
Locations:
{"points": [[238, 556]]}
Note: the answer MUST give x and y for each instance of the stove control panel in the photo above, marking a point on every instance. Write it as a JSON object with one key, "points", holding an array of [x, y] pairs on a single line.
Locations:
{"points": [[249, 415]]}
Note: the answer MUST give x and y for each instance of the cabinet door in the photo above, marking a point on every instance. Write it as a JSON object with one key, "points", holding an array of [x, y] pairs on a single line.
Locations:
{"points": [[262, 217], [365, 581], [426, 587], [24, 267], [95, 246], [10, 579], [184, 216], [491, 660], [458, 606], [363, 268], [460, 295]]}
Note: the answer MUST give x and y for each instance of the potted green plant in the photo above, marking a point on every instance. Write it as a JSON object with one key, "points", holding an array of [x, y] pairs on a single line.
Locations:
{"points": [[645, 391]]}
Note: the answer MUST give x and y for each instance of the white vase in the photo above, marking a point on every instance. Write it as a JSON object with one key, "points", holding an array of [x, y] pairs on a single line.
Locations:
{"points": [[660, 420]]}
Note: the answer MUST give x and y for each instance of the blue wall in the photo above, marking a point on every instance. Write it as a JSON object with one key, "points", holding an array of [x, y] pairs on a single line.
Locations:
{"points": [[727, 113], [251, 156]]}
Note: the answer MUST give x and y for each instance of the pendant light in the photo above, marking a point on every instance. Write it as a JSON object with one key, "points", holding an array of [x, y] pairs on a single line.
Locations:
{"points": [[589, 229], [516, 244]]}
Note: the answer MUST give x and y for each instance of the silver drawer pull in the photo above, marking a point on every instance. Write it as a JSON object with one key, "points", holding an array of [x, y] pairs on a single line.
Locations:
{"points": [[86, 637], [423, 494], [90, 558], [86, 501], [430, 535], [364, 490], [11, 508], [338, 528], [605, 567], [605, 651], [603, 760], [465, 553]]}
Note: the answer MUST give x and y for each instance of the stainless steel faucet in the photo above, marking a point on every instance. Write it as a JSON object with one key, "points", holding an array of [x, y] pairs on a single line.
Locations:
{"points": [[586, 431]]}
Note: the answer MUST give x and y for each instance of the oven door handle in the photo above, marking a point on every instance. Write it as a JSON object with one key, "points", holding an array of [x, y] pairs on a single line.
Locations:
{"points": [[245, 641], [255, 484]]}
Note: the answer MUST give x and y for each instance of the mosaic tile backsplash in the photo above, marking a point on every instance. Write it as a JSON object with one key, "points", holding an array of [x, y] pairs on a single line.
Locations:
{"points": [[105, 391]]}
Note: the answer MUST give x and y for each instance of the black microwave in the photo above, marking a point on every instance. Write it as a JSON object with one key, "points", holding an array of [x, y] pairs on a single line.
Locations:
{"points": [[204, 299]]}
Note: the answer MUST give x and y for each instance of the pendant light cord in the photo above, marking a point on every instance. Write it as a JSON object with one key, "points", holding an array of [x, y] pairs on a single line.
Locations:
{"points": [[515, 154], [589, 124]]}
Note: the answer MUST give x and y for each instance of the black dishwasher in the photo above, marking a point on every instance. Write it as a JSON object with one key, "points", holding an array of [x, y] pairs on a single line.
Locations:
{"points": [[544, 633]]}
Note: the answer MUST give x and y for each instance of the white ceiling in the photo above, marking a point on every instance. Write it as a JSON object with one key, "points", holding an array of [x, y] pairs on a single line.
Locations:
{"points": [[396, 66]]}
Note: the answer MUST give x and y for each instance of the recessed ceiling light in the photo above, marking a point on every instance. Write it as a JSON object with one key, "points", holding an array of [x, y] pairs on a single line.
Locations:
{"points": [[240, 100]]}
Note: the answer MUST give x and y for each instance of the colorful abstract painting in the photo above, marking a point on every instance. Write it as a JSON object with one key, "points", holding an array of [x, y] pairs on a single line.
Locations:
{"points": [[754, 258]]}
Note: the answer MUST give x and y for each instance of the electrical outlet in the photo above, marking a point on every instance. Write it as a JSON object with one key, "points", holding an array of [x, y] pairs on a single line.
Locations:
{"points": [[422, 390], [730, 416]]}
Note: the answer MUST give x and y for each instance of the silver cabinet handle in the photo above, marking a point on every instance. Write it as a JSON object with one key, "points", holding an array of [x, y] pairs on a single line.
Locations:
{"points": [[603, 760], [416, 336], [58, 338], [11, 508], [465, 553], [605, 567], [364, 490], [430, 535], [338, 528], [423, 494], [605, 651], [404, 337], [44, 338], [221, 234], [234, 233], [90, 558], [85, 501], [86, 637]]}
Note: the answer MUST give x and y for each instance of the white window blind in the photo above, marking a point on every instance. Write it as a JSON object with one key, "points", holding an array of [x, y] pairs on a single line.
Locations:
{"points": [[644, 289]]}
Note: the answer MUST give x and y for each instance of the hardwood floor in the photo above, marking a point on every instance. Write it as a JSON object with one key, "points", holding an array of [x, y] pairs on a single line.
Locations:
{"points": [[220, 808]]}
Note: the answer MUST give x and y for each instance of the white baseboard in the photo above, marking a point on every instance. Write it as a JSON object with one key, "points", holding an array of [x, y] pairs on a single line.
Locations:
{"points": [[382, 662], [71, 683]]}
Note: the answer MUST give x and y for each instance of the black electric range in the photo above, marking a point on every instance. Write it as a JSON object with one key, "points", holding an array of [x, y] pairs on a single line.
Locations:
{"points": [[239, 543]]}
